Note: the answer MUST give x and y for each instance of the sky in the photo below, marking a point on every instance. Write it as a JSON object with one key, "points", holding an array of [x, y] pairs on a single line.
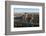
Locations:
{"points": [[27, 9]]}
